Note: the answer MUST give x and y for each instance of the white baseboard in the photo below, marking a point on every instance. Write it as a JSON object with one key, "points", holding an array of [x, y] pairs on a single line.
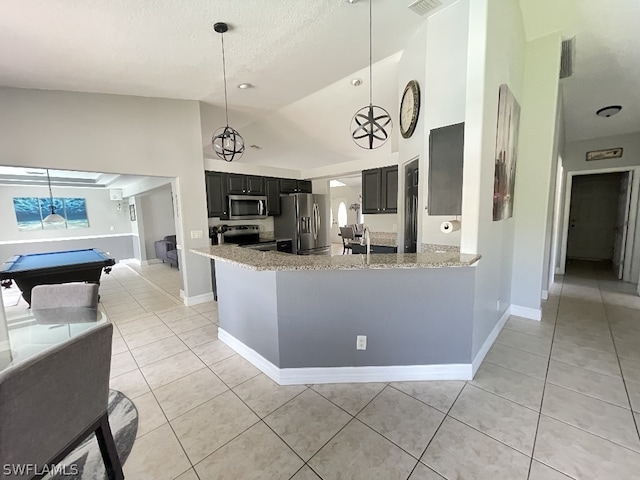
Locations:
{"points": [[299, 376], [526, 312], [545, 295], [196, 299], [490, 339], [151, 261], [182, 295]]}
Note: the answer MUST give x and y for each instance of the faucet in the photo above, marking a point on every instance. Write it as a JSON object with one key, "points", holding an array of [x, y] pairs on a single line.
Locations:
{"points": [[366, 237]]}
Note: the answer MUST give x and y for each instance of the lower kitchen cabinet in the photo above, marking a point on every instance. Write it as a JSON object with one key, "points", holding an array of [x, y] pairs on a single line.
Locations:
{"points": [[355, 248]]}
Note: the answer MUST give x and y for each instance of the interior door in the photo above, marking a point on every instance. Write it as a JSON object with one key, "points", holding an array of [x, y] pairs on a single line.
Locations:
{"points": [[593, 215], [622, 223], [411, 207]]}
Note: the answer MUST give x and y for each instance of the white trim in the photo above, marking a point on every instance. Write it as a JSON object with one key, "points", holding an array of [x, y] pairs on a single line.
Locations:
{"points": [[477, 361], [197, 299], [65, 239], [545, 295], [182, 295], [526, 312], [299, 376], [558, 271], [151, 261]]}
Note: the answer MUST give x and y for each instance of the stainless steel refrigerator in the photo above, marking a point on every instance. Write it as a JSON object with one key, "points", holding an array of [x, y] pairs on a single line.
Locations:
{"points": [[304, 219]]}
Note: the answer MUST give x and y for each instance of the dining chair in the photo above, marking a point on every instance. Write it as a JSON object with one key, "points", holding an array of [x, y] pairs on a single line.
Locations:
{"points": [[52, 401], [74, 294], [348, 235]]}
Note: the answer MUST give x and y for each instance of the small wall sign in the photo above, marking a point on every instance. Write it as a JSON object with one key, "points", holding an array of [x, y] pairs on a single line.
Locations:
{"points": [[604, 154]]}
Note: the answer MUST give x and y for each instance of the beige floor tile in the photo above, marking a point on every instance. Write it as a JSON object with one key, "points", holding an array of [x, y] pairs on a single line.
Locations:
{"points": [[213, 352], [145, 337], [150, 415], [176, 313], [351, 397], [628, 349], [359, 453], [256, 450], [158, 456], [205, 307], [188, 475], [527, 343], [307, 422], [122, 363], [438, 394], [530, 327], [206, 428], [499, 418], [585, 340], [200, 335], [234, 370], [633, 389], [518, 360], [604, 387], [158, 350], [188, 392], [511, 385], [171, 368], [540, 471], [582, 455], [118, 345], [424, 473], [305, 473], [595, 416], [132, 384], [458, 451], [264, 396], [592, 328], [597, 361], [187, 324], [404, 420], [139, 324]]}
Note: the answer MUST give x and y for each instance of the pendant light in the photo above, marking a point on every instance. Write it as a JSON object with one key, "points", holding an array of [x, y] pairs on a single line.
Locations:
{"points": [[371, 125], [226, 141], [53, 217]]}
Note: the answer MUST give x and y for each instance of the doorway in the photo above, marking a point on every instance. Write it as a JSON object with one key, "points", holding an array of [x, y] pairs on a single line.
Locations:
{"points": [[599, 218], [411, 207]]}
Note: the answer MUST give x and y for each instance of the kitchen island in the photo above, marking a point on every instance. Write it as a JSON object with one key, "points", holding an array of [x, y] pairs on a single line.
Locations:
{"points": [[297, 317]]}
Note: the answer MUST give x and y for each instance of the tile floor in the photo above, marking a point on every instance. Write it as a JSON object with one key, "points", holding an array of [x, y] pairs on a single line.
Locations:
{"points": [[555, 399]]}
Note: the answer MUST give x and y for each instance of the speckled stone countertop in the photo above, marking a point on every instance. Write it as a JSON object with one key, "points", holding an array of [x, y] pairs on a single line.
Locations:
{"points": [[256, 260]]}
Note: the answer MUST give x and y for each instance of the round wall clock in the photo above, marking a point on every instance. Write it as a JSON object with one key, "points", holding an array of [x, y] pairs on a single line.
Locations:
{"points": [[409, 108]]}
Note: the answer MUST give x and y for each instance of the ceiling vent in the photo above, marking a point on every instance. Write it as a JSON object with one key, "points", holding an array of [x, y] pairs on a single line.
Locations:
{"points": [[567, 57], [422, 7]]}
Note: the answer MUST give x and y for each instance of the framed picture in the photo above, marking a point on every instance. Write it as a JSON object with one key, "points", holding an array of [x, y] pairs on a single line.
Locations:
{"points": [[132, 212], [506, 152], [604, 154]]}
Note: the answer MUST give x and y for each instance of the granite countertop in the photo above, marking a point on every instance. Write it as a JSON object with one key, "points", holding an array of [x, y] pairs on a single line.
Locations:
{"points": [[272, 260]]}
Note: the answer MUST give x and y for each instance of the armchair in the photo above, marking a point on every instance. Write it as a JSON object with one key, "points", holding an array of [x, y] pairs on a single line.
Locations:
{"points": [[166, 250]]}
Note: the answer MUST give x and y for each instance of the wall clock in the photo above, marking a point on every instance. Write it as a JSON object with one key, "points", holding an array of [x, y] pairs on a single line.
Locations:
{"points": [[409, 108]]}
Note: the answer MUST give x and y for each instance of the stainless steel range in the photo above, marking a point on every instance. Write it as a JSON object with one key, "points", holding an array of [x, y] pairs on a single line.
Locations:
{"points": [[248, 236]]}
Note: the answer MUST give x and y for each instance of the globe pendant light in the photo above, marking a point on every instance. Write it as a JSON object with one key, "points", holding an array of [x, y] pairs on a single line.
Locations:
{"points": [[53, 217], [226, 141], [371, 125]]}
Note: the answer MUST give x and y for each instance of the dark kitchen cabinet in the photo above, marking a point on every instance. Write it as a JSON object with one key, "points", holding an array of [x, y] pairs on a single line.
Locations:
{"points": [[272, 190], [216, 184], [356, 248], [290, 185], [244, 185], [446, 157], [380, 190]]}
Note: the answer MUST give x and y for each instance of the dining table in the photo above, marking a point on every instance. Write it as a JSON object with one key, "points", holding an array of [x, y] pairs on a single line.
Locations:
{"points": [[27, 333]]}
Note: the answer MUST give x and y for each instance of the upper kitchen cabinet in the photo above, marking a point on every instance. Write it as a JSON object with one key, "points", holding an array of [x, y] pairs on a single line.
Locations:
{"points": [[290, 185], [216, 184], [446, 154], [245, 184], [272, 190], [380, 190]]}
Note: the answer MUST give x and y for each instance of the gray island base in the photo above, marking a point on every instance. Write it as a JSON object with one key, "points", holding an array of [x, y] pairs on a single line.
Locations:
{"points": [[300, 325]]}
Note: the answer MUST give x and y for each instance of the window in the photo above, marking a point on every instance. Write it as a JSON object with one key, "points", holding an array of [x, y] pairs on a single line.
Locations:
{"points": [[342, 215]]}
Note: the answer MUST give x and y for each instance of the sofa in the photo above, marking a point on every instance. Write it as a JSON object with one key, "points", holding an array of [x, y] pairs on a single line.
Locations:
{"points": [[166, 250]]}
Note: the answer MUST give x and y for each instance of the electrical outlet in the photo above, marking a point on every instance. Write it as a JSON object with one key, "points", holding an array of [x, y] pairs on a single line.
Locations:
{"points": [[498, 305], [361, 342], [197, 234]]}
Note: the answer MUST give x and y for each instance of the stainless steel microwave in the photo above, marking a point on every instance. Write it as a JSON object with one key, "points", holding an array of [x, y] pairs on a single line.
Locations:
{"points": [[244, 207]]}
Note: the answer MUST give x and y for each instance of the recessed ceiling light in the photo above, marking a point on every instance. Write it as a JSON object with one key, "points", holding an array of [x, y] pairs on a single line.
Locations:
{"points": [[336, 183], [244, 86], [353, 1], [609, 111], [356, 82]]}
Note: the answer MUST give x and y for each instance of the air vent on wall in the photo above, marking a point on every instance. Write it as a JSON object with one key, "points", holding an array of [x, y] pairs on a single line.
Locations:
{"points": [[422, 7], [567, 57]]}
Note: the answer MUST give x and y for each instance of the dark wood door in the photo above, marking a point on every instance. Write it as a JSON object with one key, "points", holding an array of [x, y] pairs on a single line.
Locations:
{"points": [[446, 155], [303, 186], [236, 184], [411, 207], [371, 183], [288, 185], [254, 185], [272, 189], [216, 194], [389, 189]]}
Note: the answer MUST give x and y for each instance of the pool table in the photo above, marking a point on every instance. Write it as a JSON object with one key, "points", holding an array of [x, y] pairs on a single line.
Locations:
{"points": [[54, 267]]}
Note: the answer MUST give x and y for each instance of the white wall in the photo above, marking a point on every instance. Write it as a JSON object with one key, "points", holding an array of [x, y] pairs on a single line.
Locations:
{"points": [[157, 211], [104, 218], [348, 195], [496, 56], [116, 134]]}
